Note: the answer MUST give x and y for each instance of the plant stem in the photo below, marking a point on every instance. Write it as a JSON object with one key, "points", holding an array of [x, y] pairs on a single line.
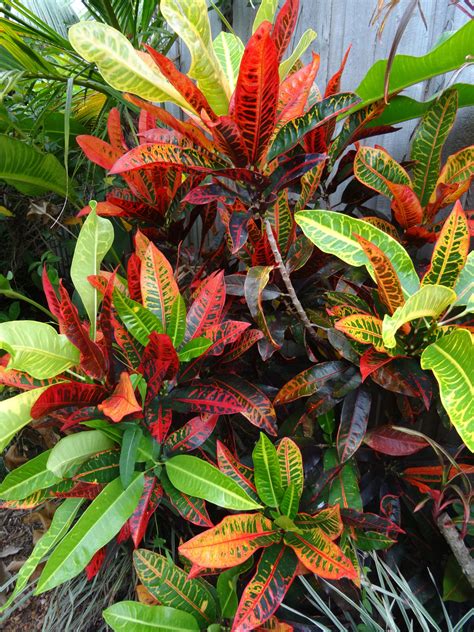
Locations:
{"points": [[288, 284], [461, 552], [16, 295]]}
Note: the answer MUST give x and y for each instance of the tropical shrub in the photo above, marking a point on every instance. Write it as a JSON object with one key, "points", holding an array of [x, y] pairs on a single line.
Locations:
{"points": [[158, 386]]}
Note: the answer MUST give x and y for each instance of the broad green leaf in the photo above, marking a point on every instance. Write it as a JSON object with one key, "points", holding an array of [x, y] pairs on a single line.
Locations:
{"points": [[62, 520], [464, 287], [199, 478], [74, 449], [15, 413], [406, 70], [290, 502], [176, 327], [28, 478], [128, 454], [121, 66], [229, 50], [267, 472], [450, 251], [428, 143], [306, 39], [266, 12], [94, 242], [101, 521], [227, 588], [334, 232], [291, 465], [194, 348], [451, 358], [138, 320], [190, 21], [344, 488], [375, 168], [429, 302], [30, 171], [170, 585], [37, 348], [132, 616]]}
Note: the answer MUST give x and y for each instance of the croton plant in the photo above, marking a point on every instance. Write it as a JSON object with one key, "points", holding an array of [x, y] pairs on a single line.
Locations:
{"points": [[290, 388]]}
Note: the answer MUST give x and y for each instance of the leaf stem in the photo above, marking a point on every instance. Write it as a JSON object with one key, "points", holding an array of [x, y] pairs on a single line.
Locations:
{"points": [[288, 284]]}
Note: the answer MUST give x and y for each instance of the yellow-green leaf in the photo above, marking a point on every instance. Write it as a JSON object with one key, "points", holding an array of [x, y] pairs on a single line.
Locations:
{"points": [[229, 50], [15, 413], [374, 167], [190, 21], [291, 465], [123, 67], [305, 40], [363, 328], [451, 358], [429, 302]]}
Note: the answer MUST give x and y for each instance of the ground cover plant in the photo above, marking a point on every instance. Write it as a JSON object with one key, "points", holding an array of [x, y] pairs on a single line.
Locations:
{"points": [[283, 399]]}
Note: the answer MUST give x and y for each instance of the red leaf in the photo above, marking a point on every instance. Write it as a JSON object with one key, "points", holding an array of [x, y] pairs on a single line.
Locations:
{"points": [[353, 425], [406, 206], [159, 421], [23, 381], [114, 130], [228, 138], [369, 521], [98, 151], [51, 297], [284, 26], [107, 327], [127, 344], [133, 277], [122, 402], [104, 209], [372, 360], [92, 357], [295, 89], [223, 334], [149, 501], [334, 84], [59, 396], [159, 362], [206, 398], [192, 435], [81, 490], [247, 340], [183, 84], [95, 564], [206, 310], [387, 440], [231, 466], [256, 92]]}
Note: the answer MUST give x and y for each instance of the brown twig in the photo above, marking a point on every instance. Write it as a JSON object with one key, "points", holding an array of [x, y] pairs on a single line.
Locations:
{"points": [[288, 284], [456, 543]]}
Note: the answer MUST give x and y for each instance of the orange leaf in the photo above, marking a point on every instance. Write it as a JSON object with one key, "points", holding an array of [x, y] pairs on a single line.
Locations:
{"points": [[122, 402]]}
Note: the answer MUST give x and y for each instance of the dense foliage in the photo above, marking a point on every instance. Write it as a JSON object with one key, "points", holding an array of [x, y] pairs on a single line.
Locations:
{"points": [[288, 390]]}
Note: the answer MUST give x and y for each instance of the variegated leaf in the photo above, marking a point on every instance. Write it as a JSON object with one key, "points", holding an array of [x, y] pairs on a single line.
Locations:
{"points": [[309, 381], [328, 520], [291, 465], [375, 168], [158, 285], [363, 328]]}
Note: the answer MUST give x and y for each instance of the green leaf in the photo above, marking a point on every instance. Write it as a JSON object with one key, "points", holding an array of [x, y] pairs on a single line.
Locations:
{"points": [[176, 327], [451, 358], [62, 520], [128, 454], [94, 242], [305, 40], [194, 348], [334, 232], [101, 521], [190, 21], [227, 588], [138, 320], [229, 50], [321, 112], [344, 488], [266, 12], [429, 302], [30, 171], [28, 478], [267, 472], [456, 586], [406, 70], [170, 585], [464, 287], [15, 413], [290, 502], [37, 348], [428, 142], [199, 478], [75, 449], [120, 64], [131, 616]]}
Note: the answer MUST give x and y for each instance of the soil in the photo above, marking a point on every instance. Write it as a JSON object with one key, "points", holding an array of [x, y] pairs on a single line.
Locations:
{"points": [[16, 543]]}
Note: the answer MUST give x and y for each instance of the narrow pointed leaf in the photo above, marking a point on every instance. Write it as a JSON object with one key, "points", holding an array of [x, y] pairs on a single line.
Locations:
{"points": [[191, 508], [265, 591], [158, 285], [100, 522], [57, 396], [138, 320], [229, 50], [406, 206], [353, 425], [255, 282], [231, 467], [206, 309], [291, 465], [149, 501], [267, 472], [309, 381], [192, 435], [389, 440], [28, 478]]}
